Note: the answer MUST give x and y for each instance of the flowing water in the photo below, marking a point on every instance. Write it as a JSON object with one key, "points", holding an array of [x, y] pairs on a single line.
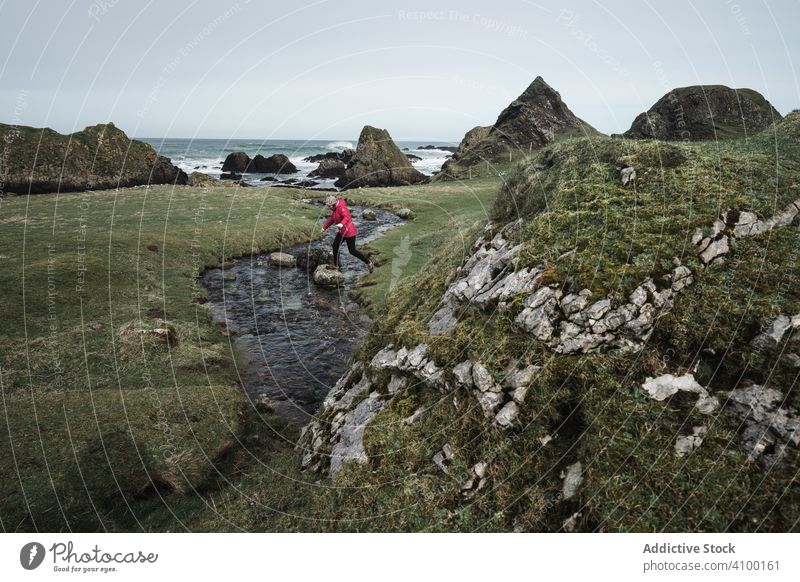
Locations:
{"points": [[296, 337]]}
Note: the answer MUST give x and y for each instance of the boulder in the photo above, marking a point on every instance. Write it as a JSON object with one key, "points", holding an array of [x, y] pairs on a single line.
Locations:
{"points": [[200, 180], [329, 169], [328, 276], [236, 162], [282, 260], [704, 112], [531, 121], [275, 164], [404, 213], [573, 479], [628, 175], [413, 158], [369, 214], [99, 157], [378, 162]]}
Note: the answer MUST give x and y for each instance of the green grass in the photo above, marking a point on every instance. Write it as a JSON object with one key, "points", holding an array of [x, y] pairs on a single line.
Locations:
{"points": [[443, 213], [111, 430], [81, 274]]}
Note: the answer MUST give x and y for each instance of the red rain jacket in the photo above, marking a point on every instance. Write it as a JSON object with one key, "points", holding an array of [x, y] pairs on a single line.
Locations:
{"points": [[341, 215]]}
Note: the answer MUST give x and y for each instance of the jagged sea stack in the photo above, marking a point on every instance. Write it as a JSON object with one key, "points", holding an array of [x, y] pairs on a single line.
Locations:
{"points": [[531, 121], [378, 162], [704, 112], [98, 158]]}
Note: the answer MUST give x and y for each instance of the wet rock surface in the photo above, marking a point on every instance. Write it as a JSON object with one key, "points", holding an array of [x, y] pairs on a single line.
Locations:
{"points": [[295, 336]]}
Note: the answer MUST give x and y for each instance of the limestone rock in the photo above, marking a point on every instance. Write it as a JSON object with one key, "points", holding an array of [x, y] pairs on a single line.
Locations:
{"points": [[350, 437], [477, 479], [667, 385], [770, 424], [505, 418], [628, 175], [463, 374], [444, 458], [714, 249], [773, 335], [573, 479], [368, 214], [404, 213], [444, 320], [685, 444]]}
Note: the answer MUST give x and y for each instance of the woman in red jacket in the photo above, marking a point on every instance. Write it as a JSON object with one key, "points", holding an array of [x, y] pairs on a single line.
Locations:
{"points": [[347, 230]]}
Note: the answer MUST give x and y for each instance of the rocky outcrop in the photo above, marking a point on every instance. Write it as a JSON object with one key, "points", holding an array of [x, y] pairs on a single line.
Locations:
{"points": [[770, 425], [567, 322], [499, 401], [704, 112], [378, 162], [714, 244], [343, 156], [329, 169], [98, 158], [275, 164], [531, 121], [336, 435], [451, 169], [236, 162]]}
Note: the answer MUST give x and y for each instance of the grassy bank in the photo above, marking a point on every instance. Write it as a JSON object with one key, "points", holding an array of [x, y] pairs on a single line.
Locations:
{"points": [[589, 231], [110, 428]]}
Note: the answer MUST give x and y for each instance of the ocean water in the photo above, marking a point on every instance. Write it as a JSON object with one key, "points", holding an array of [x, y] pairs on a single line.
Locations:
{"points": [[207, 155]]}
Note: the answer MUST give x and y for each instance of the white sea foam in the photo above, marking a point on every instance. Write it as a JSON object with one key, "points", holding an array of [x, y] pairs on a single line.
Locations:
{"points": [[340, 145]]}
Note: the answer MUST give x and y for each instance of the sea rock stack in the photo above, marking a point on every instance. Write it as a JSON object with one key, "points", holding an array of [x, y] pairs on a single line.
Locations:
{"points": [[98, 158], [378, 162], [236, 162], [531, 121], [275, 164], [704, 112]]}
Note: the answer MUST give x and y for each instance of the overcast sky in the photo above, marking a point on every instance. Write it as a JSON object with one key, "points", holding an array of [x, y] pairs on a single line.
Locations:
{"points": [[422, 69]]}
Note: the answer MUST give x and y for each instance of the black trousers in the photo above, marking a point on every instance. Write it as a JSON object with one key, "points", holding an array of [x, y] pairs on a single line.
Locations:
{"points": [[351, 247]]}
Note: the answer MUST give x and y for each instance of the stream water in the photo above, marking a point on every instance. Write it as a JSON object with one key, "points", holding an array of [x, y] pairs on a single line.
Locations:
{"points": [[296, 337]]}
